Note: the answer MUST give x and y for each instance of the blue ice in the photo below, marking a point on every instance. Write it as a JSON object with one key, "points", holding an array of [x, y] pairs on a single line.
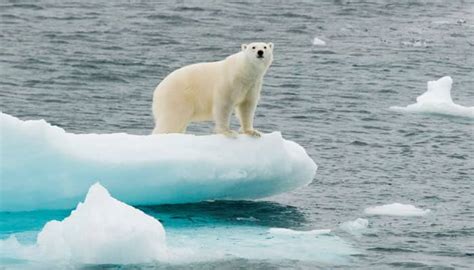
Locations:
{"points": [[44, 167]]}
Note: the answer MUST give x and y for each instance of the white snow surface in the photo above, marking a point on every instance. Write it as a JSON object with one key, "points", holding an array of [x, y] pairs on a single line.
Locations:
{"points": [[396, 209], [437, 100], [44, 167]]}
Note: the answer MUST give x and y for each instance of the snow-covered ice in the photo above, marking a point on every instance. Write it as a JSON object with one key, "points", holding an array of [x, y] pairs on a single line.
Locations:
{"points": [[103, 230], [318, 42], [355, 227], [437, 100], [44, 167], [396, 209]]}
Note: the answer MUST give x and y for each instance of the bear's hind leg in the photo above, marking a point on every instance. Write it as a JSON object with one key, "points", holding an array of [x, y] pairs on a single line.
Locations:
{"points": [[175, 124], [167, 127], [172, 117]]}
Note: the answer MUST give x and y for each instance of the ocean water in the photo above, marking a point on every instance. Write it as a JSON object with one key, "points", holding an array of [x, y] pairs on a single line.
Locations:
{"points": [[92, 66]]}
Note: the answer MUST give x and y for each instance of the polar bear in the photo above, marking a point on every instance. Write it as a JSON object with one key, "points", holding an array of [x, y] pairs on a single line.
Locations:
{"points": [[211, 91]]}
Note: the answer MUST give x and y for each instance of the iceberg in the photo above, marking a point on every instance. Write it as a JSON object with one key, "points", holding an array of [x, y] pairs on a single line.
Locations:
{"points": [[44, 167], [437, 100], [396, 209], [103, 230]]}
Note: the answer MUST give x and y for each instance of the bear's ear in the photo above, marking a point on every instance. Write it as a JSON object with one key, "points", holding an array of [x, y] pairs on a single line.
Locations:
{"points": [[270, 45], [244, 47]]}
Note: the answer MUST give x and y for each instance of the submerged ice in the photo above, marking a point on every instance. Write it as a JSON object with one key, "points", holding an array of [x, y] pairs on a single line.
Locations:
{"points": [[44, 167], [103, 230], [284, 231], [355, 227], [437, 99]]}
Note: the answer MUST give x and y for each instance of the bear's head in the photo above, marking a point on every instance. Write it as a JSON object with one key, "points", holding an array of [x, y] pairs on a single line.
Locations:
{"points": [[259, 53]]}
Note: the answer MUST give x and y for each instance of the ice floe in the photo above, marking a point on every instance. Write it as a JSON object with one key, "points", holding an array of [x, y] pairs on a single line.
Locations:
{"points": [[396, 209], [44, 167], [437, 100]]}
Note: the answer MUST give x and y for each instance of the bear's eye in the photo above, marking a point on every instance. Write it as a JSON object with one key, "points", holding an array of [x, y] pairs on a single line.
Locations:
{"points": [[253, 48], [264, 47]]}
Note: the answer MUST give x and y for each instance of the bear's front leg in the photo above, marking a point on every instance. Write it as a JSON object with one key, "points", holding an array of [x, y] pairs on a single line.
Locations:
{"points": [[222, 113], [245, 113]]}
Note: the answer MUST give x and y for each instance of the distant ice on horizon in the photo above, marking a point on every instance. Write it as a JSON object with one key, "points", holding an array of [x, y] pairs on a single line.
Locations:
{"points": [[437, 100]]}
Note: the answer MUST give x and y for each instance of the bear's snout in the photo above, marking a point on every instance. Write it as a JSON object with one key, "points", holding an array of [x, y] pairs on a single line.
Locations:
{"points": [[260, 53]]}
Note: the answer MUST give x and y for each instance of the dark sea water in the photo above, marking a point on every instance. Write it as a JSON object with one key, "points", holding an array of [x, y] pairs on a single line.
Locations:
{"points": [[92, 66]]}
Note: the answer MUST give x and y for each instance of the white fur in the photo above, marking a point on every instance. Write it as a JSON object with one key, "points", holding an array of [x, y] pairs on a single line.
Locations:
{"points": [[211, 91]]}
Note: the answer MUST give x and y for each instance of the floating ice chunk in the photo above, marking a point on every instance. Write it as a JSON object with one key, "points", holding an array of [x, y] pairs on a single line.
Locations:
{"points": [[318, 42], [103, 230], [44, 167], [396, 209], [437, 99], [355, 227], [284, 231], [99, 231]]}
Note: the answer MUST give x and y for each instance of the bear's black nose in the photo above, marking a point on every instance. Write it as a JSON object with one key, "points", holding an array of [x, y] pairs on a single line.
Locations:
{"points": [[260, 53]]}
